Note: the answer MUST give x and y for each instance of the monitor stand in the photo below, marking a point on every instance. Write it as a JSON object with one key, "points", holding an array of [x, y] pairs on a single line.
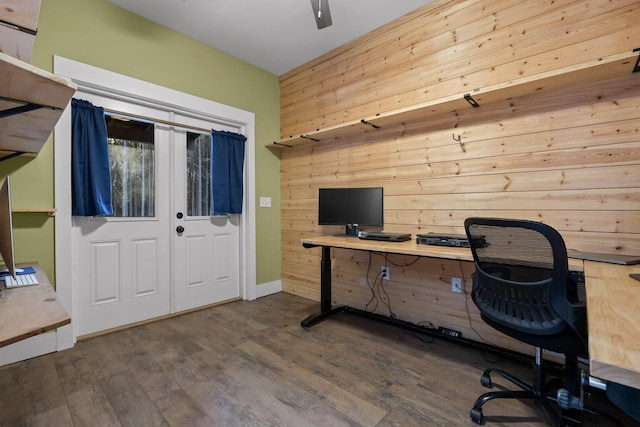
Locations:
{"points": [[351, 230]]}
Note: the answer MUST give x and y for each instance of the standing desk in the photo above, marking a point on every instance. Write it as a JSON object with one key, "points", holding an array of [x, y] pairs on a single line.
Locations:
{"points": [[409, 247], [613, 302]]}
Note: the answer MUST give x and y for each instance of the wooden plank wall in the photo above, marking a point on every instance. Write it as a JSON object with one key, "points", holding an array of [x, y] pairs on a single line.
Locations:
{"points": [[570, 158]]}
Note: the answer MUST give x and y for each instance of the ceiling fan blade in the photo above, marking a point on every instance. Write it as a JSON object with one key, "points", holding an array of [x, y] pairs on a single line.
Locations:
{"points": [[321, 13]]}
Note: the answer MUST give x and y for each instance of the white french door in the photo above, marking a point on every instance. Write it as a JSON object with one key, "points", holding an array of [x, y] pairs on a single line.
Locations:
{"points": [[122, 262], [142, 264], [206, 248], [120, 270]]}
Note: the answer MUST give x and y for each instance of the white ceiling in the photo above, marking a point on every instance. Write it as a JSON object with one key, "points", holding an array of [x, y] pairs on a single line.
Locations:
{"points": [[275, 35]]}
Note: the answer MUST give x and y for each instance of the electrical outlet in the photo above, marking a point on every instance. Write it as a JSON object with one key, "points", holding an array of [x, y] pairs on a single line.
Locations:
{"points": [[265, 202], [456, 284], [384, 272]]}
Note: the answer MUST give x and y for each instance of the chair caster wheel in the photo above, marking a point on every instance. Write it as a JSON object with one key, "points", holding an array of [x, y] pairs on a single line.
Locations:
{"points": [[476, 416], [485, 380], [563, 398]]}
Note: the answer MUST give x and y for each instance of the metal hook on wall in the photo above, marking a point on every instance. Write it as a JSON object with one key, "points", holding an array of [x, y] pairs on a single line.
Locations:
{"points": [[458, 140]]}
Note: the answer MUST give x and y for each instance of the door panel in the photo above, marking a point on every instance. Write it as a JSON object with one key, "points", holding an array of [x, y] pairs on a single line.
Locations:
{"points": [[122, 263], [123, 280], [105, 266], [222, 246], [145, 262], [207, 252], [195, 259], [206, 263]]}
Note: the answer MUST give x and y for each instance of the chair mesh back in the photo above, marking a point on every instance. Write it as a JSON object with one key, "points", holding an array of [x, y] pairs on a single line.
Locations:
{"points": [[516, 272]]}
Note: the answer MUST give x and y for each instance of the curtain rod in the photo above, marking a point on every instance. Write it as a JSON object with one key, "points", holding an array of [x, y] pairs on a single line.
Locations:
{"points": [[150, 119]]}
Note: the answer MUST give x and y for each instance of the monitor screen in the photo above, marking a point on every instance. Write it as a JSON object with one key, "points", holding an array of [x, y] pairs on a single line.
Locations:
{"points": [[351, 207], [6, 228]]}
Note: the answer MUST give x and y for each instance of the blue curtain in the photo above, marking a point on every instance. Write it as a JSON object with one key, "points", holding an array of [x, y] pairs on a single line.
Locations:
{"points": [[227, 163], [90, 171]]}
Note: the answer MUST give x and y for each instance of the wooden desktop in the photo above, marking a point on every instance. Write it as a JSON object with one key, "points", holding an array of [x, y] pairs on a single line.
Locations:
{"points": [[613, 301], [30, 310], [613, 310]]}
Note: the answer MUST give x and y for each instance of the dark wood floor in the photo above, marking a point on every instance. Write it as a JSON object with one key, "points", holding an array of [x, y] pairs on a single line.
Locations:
{"points": [[251, 364]]}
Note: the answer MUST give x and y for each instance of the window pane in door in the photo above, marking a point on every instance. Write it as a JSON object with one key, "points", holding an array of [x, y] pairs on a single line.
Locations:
{"points": [[132, 159], [198, 174]]}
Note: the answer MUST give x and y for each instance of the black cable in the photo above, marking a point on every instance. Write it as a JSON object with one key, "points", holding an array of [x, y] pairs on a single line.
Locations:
{"points": [[371, 288], [386, 294], [430, 325], [378, 284], [386, 299], [387, 259]]}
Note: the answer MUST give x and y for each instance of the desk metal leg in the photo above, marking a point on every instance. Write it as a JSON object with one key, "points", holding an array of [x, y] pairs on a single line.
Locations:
{"points": [[325, 279], [325, 292]]}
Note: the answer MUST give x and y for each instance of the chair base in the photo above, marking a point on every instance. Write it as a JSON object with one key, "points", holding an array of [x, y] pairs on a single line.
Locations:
{"points": [[528, 392]]}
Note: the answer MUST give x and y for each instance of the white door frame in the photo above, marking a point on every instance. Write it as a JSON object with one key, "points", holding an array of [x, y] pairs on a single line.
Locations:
{"points": [[95, 80]]}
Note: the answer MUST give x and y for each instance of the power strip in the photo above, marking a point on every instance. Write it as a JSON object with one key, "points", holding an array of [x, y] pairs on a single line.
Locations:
{"points": [[449, 332]]}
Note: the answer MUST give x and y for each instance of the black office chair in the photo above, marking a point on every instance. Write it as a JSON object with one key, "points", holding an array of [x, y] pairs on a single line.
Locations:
{"points": [[521, 287]]}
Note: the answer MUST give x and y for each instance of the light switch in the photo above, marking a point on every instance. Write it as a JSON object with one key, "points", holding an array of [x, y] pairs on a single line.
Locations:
{"points": [[265, 202]]}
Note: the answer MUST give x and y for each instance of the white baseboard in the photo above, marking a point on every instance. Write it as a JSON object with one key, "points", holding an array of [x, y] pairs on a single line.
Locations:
{"points": [[29, 348], [264, 289]]}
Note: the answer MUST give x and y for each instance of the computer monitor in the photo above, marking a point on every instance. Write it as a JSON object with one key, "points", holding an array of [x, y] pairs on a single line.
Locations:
{"points": [[6, 228], [351, 207]]}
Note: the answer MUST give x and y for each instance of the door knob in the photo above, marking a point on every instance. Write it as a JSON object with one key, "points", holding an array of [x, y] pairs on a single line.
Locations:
{"points": [[180, 229]]}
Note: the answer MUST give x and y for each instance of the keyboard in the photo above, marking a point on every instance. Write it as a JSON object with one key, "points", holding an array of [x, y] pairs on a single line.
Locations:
{"points": [[20, 280]]}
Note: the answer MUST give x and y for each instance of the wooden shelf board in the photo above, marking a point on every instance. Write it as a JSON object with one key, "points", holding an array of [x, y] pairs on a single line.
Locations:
{"points": [[26, 132], [48, 211], [23, 13], [16, 43], [324, 134], [22, 84], [591, 71]]}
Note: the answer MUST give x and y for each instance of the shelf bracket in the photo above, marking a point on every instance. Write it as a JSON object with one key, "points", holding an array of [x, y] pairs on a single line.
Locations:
{"points": [[18, 27], [11, 156], [471, 101], [19, 110], [637, 67], [281, 144], [309, 138], [364, 122]]}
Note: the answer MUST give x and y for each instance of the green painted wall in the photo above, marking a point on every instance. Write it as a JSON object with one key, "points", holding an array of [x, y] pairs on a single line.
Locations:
{"points": [[98, 33]]}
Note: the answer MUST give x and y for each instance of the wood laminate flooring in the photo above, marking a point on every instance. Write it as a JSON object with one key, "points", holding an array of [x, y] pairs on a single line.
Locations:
{"points": [[249, 363]]}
